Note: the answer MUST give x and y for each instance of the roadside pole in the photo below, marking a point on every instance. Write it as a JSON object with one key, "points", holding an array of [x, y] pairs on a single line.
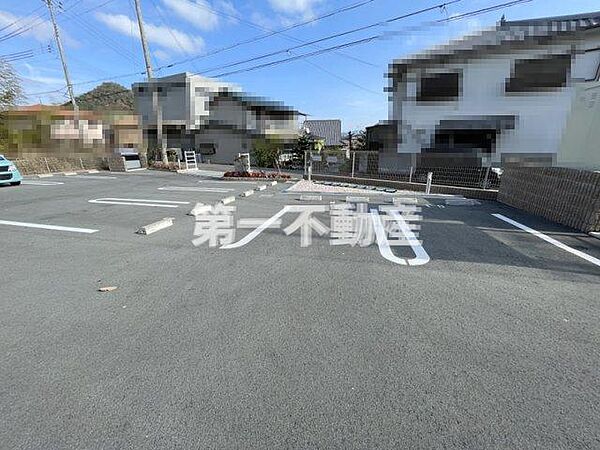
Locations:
{"points": [[429, 181], [156, 106], [65, 69], [62, 57], [353, 162]]}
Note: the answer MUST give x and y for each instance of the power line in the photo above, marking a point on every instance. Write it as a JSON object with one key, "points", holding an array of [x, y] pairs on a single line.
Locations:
{"points": [[366, 40], [345, 80], [325, 50], [164, 22], [269, 32], [40, 19], [334, 36], [22, 18], [25, 54], [97, 34]]}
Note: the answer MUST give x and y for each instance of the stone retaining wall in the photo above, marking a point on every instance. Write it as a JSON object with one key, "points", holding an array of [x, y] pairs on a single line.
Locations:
{"points": [[33, 166]]}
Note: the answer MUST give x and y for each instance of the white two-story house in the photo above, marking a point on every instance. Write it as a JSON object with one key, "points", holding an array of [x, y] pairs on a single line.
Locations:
{"points": [[503, 96], [214, 118]]}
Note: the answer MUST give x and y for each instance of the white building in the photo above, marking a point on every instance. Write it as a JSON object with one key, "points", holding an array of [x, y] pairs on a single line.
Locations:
{"points": [[214, 118], [505, 95]]}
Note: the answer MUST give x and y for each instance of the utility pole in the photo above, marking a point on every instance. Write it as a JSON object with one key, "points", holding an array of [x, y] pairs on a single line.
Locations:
{"points": [[156, 106], [350, 141], [138, 12], [62, 58]]}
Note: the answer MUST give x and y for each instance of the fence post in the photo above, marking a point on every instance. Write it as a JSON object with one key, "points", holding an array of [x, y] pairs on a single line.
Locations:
{"points": [[353, 162], [485, 180], [81, 162], [429, 181], [410, 174], [47, 166]]}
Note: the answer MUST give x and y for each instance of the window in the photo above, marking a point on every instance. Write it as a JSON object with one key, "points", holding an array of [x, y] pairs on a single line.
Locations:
{"points": [[542, 74], [438, 87]]}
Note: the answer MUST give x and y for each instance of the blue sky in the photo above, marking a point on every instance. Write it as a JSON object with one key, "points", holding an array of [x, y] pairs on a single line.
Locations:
{"points": [[101, 41]]}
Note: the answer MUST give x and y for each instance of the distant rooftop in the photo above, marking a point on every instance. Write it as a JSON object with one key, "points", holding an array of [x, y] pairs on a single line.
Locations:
{"points": [[329, 129]]}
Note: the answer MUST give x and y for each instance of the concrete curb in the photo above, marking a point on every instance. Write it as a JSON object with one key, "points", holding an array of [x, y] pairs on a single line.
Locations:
{"points": [[155, 226], [45, 175], [68, 174], [227, 200], [262, 187], [247, 193], [595, 234], [93, 171], [461, 202], [351, 199], [273, 183], [200, 208], [306, 197]]}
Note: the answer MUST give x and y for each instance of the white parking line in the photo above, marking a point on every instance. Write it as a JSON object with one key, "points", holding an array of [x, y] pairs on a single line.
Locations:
{"points": [[138, 202], [227, 182], [193, 189], [421, 256], [42, 183], [47, 227], [94, 177], [552, 241], [266, 224]]}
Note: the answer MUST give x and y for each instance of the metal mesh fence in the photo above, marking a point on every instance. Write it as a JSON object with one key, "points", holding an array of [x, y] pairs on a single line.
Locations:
{"points": [[366, 165]]}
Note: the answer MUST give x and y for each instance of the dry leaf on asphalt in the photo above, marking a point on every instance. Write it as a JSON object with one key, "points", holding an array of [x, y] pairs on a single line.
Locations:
{"points": [[107, 288]]}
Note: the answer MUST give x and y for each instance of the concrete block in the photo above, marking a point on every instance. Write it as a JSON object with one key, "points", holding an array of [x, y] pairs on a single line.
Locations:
{"points": [[273, 183], [228, 200], [262, 187], [69, 173], [156, 226], [461, 202], [308, 197], [247, 193], [200, 208], [45, 175], [350, 199]]}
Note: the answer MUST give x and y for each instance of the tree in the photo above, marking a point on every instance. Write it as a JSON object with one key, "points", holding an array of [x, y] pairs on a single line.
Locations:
{"points": [[10, 86], [106, 97], [10, 94], [266, 152], [359, 140], [305, 143]]}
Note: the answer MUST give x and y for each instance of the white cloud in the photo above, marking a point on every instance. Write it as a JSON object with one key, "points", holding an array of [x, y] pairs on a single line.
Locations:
{"points": [[200, 12], [196, 12], [35, 28], [304, 8], [161, 55], [263, 21], [36, 75], [228, 8], [165, 37]]}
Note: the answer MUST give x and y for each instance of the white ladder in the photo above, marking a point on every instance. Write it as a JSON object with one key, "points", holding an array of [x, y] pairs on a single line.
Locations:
{"points": [[190, 160]]}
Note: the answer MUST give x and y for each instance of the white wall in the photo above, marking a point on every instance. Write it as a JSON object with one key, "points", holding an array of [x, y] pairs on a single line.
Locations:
{"points": [[541, 117]]}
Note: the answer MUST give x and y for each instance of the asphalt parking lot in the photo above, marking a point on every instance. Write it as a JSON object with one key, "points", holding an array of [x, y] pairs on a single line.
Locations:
{"points": [[493, 342]]}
